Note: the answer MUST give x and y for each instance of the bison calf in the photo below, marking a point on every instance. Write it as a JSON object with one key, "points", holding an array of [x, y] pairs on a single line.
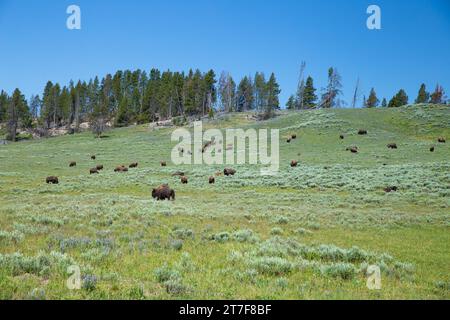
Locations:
{"points": [[52, 180], [212, 180]]}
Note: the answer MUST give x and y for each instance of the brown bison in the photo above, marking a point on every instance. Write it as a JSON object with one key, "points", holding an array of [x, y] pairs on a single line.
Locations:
{"points": [[93, 157], [52, 180], [184, 179], [93, 171], [352, 149], [441, 140], [432, 149], [341, 137], [362, 132], [392, 146], [72, 164], [229, 172], [294, 163], [99, 167], [294, 136], [289, 140], [390, 189], [163, 192], [133, 165], [121, 168], [212, 180], [163, 163]]}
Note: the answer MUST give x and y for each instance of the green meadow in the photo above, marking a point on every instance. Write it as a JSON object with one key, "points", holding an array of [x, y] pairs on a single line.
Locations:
{"points": [[309, 232]]}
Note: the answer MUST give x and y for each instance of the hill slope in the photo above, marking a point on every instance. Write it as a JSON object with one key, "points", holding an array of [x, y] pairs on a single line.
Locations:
{"points": [[247, 236]]}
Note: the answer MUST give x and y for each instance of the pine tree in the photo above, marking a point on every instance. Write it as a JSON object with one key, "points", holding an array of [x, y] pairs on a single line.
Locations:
{"points": [[384, 103], [260, 91], [4, 101], [309, 96], [18, 115], [400, 99], [423, 96], [437, 97], [372, 101], [245, 95], [35, 106], [291, 103], [123, 117], [273, 90]]}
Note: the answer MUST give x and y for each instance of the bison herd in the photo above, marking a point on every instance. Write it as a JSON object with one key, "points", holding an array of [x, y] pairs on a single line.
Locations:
{"points": [[163, 192]]}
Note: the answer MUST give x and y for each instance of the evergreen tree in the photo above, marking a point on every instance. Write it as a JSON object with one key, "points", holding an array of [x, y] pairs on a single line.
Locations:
{"points": [[18, 114], [35, 106], [245, 95], [309, 96], [123, 117], [400, 99], [4, 101], [423, 96], [273, 90], [384, 103], [291, 103], [438, 96], [372, 101], [260, 91]]}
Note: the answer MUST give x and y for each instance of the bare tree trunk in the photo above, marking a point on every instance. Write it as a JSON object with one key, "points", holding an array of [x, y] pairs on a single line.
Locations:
{"points": [[356, 93]]}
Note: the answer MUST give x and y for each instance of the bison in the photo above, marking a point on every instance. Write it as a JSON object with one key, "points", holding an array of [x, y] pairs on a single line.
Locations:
{"points": [[441, 140], [163, 164], [133, 165], [392, 146], [341, 137], [289, 140], [352, 149], [72, 164], [93, 157], [184, 179], [93, 171], [163, 192], [121, 168], [212, 180], [362, 132], [229, 172], [390, 189], [52, 180], [294, 163], [432, 149], [294, 136], [99, 167]]}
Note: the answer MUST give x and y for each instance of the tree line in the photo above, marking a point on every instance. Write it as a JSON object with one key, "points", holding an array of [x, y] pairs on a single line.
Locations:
{"points": [[129, 97]]}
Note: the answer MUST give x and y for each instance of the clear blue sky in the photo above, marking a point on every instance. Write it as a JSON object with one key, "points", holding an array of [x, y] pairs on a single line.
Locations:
{"points": [[240, 36]]}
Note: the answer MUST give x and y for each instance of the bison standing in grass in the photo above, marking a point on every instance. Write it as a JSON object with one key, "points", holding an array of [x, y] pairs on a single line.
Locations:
{"points": [[362, 132], [93, 171], [72, 164], [212, 180], [294, 163], [353, 149], [52, 180], [93, 157], [184, 180], [99, 167], [341, 137], [432, 149], [163, 164], [441, 140], [163, 192], [390, 189], [133, 165], [229, 172], [392, 146], [294, 136], [121, 168]]}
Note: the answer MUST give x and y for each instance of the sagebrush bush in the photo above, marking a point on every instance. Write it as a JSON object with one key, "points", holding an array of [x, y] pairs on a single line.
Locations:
{"points": [[271, 265]]}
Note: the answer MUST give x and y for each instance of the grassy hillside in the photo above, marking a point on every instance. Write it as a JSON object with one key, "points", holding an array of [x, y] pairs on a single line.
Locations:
{"points": [[308, 233]]}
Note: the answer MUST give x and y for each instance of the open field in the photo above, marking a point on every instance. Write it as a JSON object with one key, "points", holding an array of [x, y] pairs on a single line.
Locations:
{"points": [[308, 233]]}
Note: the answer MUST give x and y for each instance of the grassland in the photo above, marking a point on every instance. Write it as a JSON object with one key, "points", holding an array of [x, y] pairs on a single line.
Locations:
{"points": [[308, 233]]}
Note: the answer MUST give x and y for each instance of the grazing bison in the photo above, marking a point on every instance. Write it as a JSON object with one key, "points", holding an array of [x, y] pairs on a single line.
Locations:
{"points": [[289, 140], [432, 149], [133, 165], [99, 167], [52, 180], [163, 164], [93, 157], [390, 189], [72, 164], [184, 180], [93, 171], [121, 168], [392, 146], [294, 136], [341, 137], [362, 132], [352, 149], [163, 192], [229, 172], [294, 163], [441, 140], [212, 180]]}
